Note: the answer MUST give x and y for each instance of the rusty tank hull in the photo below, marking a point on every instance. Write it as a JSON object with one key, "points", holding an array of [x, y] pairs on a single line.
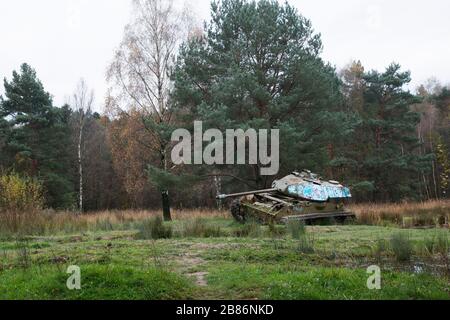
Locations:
{"points": [[300, 196]]}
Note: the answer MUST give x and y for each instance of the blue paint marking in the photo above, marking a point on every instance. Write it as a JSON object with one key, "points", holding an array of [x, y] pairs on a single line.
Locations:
{"points": [[315, 192]]}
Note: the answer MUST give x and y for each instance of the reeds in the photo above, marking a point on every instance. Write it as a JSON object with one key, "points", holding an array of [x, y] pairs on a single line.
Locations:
{"points": [[407, 214]]}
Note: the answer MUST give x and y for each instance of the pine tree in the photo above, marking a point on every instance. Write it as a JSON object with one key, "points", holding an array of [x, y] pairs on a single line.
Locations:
{"points": [[442, 140], [258, 66], [389, 136], [37, 136]]}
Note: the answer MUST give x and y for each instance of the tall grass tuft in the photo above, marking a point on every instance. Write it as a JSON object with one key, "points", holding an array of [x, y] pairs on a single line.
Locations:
{"points": [[439, 245], [380, 249], [402, 247], [296, 228], [442, 247], [428, 245], [154, 229], [306, 240], [23, 254], [306, 243], [251, 229], [276, 231], [199, 228]]}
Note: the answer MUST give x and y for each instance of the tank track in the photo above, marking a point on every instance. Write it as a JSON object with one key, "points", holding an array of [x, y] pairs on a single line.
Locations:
{"points": [[340, 217]]}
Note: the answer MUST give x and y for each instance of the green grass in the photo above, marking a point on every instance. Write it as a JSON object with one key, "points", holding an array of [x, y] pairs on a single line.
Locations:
{"points": [[285, 282], [241, 262], [110, 282]]}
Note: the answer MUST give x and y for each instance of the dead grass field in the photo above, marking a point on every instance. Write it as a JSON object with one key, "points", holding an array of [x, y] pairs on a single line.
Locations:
{"points": [[407, 214], [430, 213], [370, 213]]}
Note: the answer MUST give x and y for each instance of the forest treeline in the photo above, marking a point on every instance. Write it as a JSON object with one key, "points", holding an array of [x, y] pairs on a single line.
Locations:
{"points": [[255, 64]]}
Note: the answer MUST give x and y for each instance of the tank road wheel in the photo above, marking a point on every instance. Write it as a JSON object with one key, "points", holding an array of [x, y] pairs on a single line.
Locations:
{"points": [[236, 211]]}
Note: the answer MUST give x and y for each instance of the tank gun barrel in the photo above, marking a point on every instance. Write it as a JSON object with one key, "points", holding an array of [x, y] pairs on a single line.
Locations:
{"points": [[243, 194]]}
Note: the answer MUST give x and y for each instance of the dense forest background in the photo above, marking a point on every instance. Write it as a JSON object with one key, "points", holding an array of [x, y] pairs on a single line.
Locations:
{"points": [[255, 64]]}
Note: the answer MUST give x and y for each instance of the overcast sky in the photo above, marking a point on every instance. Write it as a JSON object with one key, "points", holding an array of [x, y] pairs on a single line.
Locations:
{"points": [[65, 40]]}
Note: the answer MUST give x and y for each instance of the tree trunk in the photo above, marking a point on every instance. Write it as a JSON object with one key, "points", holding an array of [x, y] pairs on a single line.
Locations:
{"points": [[166, 206], [80, 163], [218, 185]]}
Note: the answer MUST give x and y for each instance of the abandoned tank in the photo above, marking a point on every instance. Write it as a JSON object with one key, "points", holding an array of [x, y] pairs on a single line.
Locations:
{"points": [[302, 196]]}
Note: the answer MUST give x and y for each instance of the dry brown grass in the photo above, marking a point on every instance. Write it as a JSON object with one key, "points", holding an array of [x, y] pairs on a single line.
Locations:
{"points": [[51, 222], [121, 216], [406, 214]]}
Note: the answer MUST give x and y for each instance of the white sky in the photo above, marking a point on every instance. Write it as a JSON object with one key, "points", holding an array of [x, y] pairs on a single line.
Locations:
{"points": [[65, 40]]}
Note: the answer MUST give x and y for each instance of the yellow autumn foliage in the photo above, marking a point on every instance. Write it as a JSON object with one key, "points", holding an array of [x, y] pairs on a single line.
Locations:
{"points": [[20, 193]]}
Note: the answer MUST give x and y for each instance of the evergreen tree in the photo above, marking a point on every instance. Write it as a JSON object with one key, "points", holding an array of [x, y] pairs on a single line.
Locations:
{"points": [[3, 134], [442, 140], [258, 66], [389, 136], [37, 136], [442, 101]]}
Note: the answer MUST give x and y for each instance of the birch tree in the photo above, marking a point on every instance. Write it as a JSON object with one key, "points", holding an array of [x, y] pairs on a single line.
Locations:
{"points": [[83, 99], [140, 73]]}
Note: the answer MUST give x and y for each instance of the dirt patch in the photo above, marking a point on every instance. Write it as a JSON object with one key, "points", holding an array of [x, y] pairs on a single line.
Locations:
{"points": [[189, 264], [59, 260], [208, 246], [200, 278], [190, 261], [218, 246], [120, 236], [73, 239]]}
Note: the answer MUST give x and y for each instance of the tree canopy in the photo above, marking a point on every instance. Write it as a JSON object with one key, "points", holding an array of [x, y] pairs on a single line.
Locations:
{"points": [[36, 135], [258, 66]]}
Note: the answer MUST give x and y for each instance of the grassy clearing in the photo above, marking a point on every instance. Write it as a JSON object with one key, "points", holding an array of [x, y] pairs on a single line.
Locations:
{"points": [[260, 265], [134, 255]]}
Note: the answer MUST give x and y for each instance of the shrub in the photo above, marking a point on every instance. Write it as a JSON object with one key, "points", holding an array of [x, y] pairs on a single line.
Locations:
{"points": [[154, 229], [402, 247], [21, 200], [20, 193]]}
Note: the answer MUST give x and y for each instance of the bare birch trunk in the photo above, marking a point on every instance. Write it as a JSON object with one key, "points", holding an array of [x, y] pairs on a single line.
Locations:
{"points": [[82, 102], [80, 162]]}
